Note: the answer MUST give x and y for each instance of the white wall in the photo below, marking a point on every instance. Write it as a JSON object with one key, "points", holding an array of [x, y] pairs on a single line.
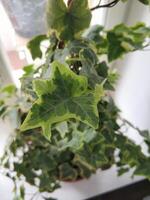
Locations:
{"points": [[133, 91]]}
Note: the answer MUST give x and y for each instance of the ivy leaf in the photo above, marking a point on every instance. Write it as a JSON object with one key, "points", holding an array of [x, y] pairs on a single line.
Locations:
{"points": [[90, 159], [34, 46], [28, 70], [123, 39], [79, 138], [67, 172], [93, 33], [97, 73], [63, 96], [26, 80], [68, 21], [62, 128], [143, 169], [146, 2], [89, 60], [10, 90], [96, 35]]}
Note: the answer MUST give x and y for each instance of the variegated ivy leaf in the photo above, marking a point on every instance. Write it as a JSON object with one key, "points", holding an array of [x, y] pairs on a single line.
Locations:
{"points": [[68, 21], [65, 95], [62, 128], [123, 39]]}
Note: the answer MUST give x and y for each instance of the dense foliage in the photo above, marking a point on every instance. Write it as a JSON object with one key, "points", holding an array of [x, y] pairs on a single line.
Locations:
{"points": [[70, 124]]}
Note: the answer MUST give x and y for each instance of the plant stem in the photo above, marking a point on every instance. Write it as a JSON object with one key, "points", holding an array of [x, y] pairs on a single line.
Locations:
{"points": [[61, 45], [132, 126], [108, 5], [69, 2]]}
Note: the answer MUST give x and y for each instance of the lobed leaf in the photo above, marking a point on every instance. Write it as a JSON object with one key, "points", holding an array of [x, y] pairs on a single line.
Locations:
{"points": [[65, 95], [68, 21], [123, 39]]}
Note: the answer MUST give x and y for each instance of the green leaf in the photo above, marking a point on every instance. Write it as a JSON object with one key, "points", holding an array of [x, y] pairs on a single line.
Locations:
{"points": [[75, 143], [28, 70], [143, 169], [93, 33], [67, 172], [123, 39], [96, 35], [62, 128], [123, 170], [97, 73], [79, 138], [85, 159], [9, 89], [47, 183], [102, 69], [76, 46], [68, 21], [145, 134], [89, 60], [91, 157], [146, 2], [65, 95], [34, 46], [115, 50]]}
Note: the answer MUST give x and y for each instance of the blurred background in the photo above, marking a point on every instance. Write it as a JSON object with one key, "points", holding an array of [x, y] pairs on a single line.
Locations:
{"points": [[23, 19]]}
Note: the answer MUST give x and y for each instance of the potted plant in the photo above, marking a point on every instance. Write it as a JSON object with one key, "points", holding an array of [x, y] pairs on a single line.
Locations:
{"points": [[68, 124]]}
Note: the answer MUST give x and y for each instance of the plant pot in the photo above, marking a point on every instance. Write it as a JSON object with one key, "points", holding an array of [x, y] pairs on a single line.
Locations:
{"points": [[99, 183], [26, 16], [72, 181]]}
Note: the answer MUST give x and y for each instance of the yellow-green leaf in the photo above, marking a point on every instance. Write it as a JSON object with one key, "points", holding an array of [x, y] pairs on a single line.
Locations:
{"points": [[65, 95]]}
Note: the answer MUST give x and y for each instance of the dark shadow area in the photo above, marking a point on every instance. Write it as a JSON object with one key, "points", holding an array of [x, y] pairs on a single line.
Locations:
{"points": [[137, 191]]}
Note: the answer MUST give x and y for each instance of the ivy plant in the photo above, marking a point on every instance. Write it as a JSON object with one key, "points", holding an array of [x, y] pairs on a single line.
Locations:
{"points": [[68, 125]]}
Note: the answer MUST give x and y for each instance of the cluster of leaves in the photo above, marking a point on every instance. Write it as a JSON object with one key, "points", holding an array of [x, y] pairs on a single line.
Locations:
{"points": [[69, 121], [120, 40], [75, 151]]}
